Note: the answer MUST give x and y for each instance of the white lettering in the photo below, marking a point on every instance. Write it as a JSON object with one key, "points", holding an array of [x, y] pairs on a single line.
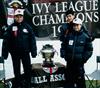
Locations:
{"points": [[80, 5], [51, 20], [88, 6], [57, 77], [40, 79], [57, 7], [47, 7], [95, 5], [64, 6], [43, 20], [96, 17], [33, 6], [71, 6], [39, 9], [54, 31], [34, 20], [59, 19], [89, 16]]}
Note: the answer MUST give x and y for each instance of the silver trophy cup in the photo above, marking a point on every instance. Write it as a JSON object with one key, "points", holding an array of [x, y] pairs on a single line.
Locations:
{"points": [[48, 53]]}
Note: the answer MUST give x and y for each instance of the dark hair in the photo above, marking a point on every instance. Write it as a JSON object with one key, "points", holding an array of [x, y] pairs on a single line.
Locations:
{"points": [[70, 11]]}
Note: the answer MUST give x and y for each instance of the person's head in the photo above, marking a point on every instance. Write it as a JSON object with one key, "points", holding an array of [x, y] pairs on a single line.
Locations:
{"points": [[19, 13], [16, 4], [70, 15], [77, 23]]}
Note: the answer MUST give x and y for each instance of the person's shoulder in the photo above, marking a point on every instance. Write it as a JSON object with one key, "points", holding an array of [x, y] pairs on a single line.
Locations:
{"points": [[65, 26], [87, 36], [10, 26], [27, 26]]}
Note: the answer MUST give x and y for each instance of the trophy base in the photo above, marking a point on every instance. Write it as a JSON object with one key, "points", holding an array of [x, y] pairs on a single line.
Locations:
{"points": [[48, 64]]}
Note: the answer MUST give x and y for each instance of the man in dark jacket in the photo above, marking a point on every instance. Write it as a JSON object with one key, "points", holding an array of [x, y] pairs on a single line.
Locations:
{"points": [[78, 49], [19, 41], [67, 27], [70, 15]]}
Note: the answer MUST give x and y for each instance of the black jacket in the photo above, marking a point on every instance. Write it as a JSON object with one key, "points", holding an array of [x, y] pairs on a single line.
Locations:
{"points": [[77, 47], [24, 41], [68, 27]]}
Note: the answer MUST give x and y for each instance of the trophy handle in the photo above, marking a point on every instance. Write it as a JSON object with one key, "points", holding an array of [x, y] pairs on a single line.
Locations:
{"points": [[56, 52], [39, 52]]}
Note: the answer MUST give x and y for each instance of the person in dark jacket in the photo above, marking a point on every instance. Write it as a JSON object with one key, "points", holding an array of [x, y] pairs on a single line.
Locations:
{"points": [[67, 27], [70, 15], [19, 41], [78, 49]]}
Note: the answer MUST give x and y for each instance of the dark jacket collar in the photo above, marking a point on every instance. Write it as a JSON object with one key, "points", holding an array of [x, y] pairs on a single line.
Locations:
{"points": [[16, 23], [78, 32]]}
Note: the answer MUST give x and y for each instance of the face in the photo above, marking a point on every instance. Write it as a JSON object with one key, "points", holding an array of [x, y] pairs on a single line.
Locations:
{"points": [[19, 18], [69, 18], [77, 27]]}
